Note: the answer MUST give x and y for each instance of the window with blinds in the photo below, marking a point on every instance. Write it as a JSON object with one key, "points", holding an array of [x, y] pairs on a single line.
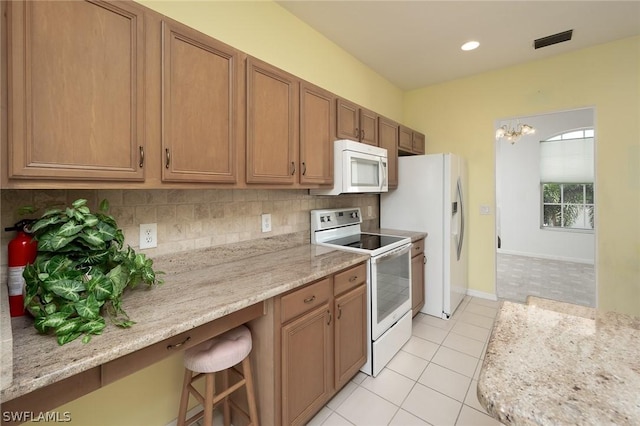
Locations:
{"points": [[566, 180]]}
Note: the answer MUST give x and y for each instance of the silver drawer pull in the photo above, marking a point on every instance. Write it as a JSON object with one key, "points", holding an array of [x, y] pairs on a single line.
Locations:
{"points": [[310, 299], [353, 278], [177, 345]]}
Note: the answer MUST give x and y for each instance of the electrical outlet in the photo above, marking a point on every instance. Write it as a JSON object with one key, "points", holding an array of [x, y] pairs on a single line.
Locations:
{"points": [[148, 235], [266, 222], [369, 211]]}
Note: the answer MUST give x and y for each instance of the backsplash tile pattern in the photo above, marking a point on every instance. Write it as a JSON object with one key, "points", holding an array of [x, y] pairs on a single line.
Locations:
{"points": [[190, 218]]}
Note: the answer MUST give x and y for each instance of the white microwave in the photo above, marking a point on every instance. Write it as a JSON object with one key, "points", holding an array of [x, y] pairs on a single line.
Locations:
{"points": [[357, 168]]}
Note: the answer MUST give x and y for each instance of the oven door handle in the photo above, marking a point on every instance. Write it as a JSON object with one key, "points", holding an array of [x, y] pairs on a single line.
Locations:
{"points": [[392, 254]]}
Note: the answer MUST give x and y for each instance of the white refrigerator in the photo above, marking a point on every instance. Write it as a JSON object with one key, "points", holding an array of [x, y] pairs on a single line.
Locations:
{"points": [[431, 198]]}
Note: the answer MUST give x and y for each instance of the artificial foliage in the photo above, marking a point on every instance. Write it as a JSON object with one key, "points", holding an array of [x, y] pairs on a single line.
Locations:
{"points": [[81, 272]]}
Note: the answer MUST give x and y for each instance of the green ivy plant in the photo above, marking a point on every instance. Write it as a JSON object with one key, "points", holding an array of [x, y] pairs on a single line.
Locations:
{"points": [[81, 272]]}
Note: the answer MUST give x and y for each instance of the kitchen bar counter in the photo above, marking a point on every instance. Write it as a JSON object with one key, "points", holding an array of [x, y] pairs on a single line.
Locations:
{"points": [[550, 363], [200, 287]]}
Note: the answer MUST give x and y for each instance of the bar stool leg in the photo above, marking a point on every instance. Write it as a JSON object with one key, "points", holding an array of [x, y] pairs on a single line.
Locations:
{"points": [[184, 398], [251, 396], [226, 406], [209, 390]]}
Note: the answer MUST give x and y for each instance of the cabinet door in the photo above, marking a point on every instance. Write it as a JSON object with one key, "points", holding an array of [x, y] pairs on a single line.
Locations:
{"points": [[75, 104], [388, 138], [272, 124], [199, 104], [368, 127], [405, 141], [418, 143], [307, 366], [417, 282], [350, 334], [348, 120], [317, 127]]}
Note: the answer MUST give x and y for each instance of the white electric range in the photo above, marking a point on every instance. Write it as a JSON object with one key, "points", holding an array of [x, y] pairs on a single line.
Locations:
{"points": [[388, 279]]}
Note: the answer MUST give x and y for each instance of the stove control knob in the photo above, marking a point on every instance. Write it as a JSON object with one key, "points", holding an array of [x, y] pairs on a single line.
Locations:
{"points": [[328, 218], [354, 215], [321, 218]]}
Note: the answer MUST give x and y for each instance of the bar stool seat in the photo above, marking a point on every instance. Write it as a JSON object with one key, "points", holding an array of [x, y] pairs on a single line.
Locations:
{"points": [[219, 354]]}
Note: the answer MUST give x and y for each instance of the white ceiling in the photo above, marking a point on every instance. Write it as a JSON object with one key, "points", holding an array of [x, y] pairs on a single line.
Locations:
{"points": [[417, 43]]}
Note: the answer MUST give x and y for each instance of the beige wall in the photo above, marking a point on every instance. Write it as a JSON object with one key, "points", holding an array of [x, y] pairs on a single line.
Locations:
{"points": [[459, 117], [269, 32]]}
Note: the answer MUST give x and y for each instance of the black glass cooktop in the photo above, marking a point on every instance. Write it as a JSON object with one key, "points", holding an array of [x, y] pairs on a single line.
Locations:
{"points": [[366, 241]]}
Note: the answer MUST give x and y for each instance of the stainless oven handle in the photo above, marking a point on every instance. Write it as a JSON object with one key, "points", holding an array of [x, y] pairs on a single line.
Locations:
{"points": [[392, 254]]}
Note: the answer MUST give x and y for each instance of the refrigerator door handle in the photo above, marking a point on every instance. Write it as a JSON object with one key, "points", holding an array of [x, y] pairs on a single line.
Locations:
{"points": [[461, 239]]}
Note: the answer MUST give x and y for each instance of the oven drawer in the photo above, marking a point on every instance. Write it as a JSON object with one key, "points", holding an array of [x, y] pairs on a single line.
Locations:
{"points": [[346, 280], [304, 299], [417, 247]]}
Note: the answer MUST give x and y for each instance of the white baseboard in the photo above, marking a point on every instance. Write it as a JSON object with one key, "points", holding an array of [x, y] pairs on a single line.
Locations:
{"points": [[547, 256], [482, 294]]}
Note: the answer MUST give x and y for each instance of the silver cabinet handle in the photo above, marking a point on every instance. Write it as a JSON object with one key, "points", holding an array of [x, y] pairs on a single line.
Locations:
{"points": [[304, 168], [168, 157], [293, 168], [141, 156], [310, 299]]}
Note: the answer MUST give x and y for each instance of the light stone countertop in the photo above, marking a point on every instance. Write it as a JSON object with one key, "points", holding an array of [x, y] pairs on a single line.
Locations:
{"points": [[200, 286], [414, 235], [552, 363]]}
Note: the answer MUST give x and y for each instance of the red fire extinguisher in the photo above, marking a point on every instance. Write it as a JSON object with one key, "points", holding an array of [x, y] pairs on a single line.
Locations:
{"points": [[22, 251]]}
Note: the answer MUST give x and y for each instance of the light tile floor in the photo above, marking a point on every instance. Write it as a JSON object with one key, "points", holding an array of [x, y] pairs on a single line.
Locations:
{"points": [[431, 381]]}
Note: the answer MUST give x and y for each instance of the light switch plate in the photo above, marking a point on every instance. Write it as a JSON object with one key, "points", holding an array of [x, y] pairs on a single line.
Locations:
{"points": [[485, 209], [266, 222]]}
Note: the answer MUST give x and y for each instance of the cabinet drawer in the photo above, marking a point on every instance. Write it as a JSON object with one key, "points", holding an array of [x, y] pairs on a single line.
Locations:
{"points": [[350, 278], [304, 299], [417, 247]]}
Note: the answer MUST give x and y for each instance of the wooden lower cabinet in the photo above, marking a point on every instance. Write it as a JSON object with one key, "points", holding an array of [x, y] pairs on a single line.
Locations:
{"points": [[308, 345], [350, 334], [418, 262], [307, 353]]}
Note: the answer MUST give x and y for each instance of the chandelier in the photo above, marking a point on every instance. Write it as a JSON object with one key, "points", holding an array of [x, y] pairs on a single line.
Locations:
{"points": [[512, 134]]}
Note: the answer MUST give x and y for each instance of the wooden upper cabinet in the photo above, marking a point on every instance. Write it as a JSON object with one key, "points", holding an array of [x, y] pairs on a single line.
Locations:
{"points": [[75, 80], [317, 127], [368, 127], [418, 143], [272, 124], [356, 123], [411, 142], [405, 141], [200, 106], [388, 138], [348, 120]]}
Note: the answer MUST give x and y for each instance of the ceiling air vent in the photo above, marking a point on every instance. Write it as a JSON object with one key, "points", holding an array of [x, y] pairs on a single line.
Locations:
{"points": [[553, 39]]}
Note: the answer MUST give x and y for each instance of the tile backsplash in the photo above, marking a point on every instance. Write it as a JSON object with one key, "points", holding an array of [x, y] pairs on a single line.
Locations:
{"points": [[191, 218]]}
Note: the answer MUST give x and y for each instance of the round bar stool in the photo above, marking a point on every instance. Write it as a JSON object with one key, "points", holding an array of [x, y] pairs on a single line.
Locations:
{"points": [[219, 354]]}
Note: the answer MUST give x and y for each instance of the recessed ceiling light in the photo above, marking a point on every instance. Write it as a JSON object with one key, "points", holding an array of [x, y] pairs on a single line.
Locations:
{"points": [[470, 45]]}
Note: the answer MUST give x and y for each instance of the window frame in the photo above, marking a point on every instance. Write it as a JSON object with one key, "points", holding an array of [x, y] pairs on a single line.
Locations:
{"points": [[562, 204]]}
